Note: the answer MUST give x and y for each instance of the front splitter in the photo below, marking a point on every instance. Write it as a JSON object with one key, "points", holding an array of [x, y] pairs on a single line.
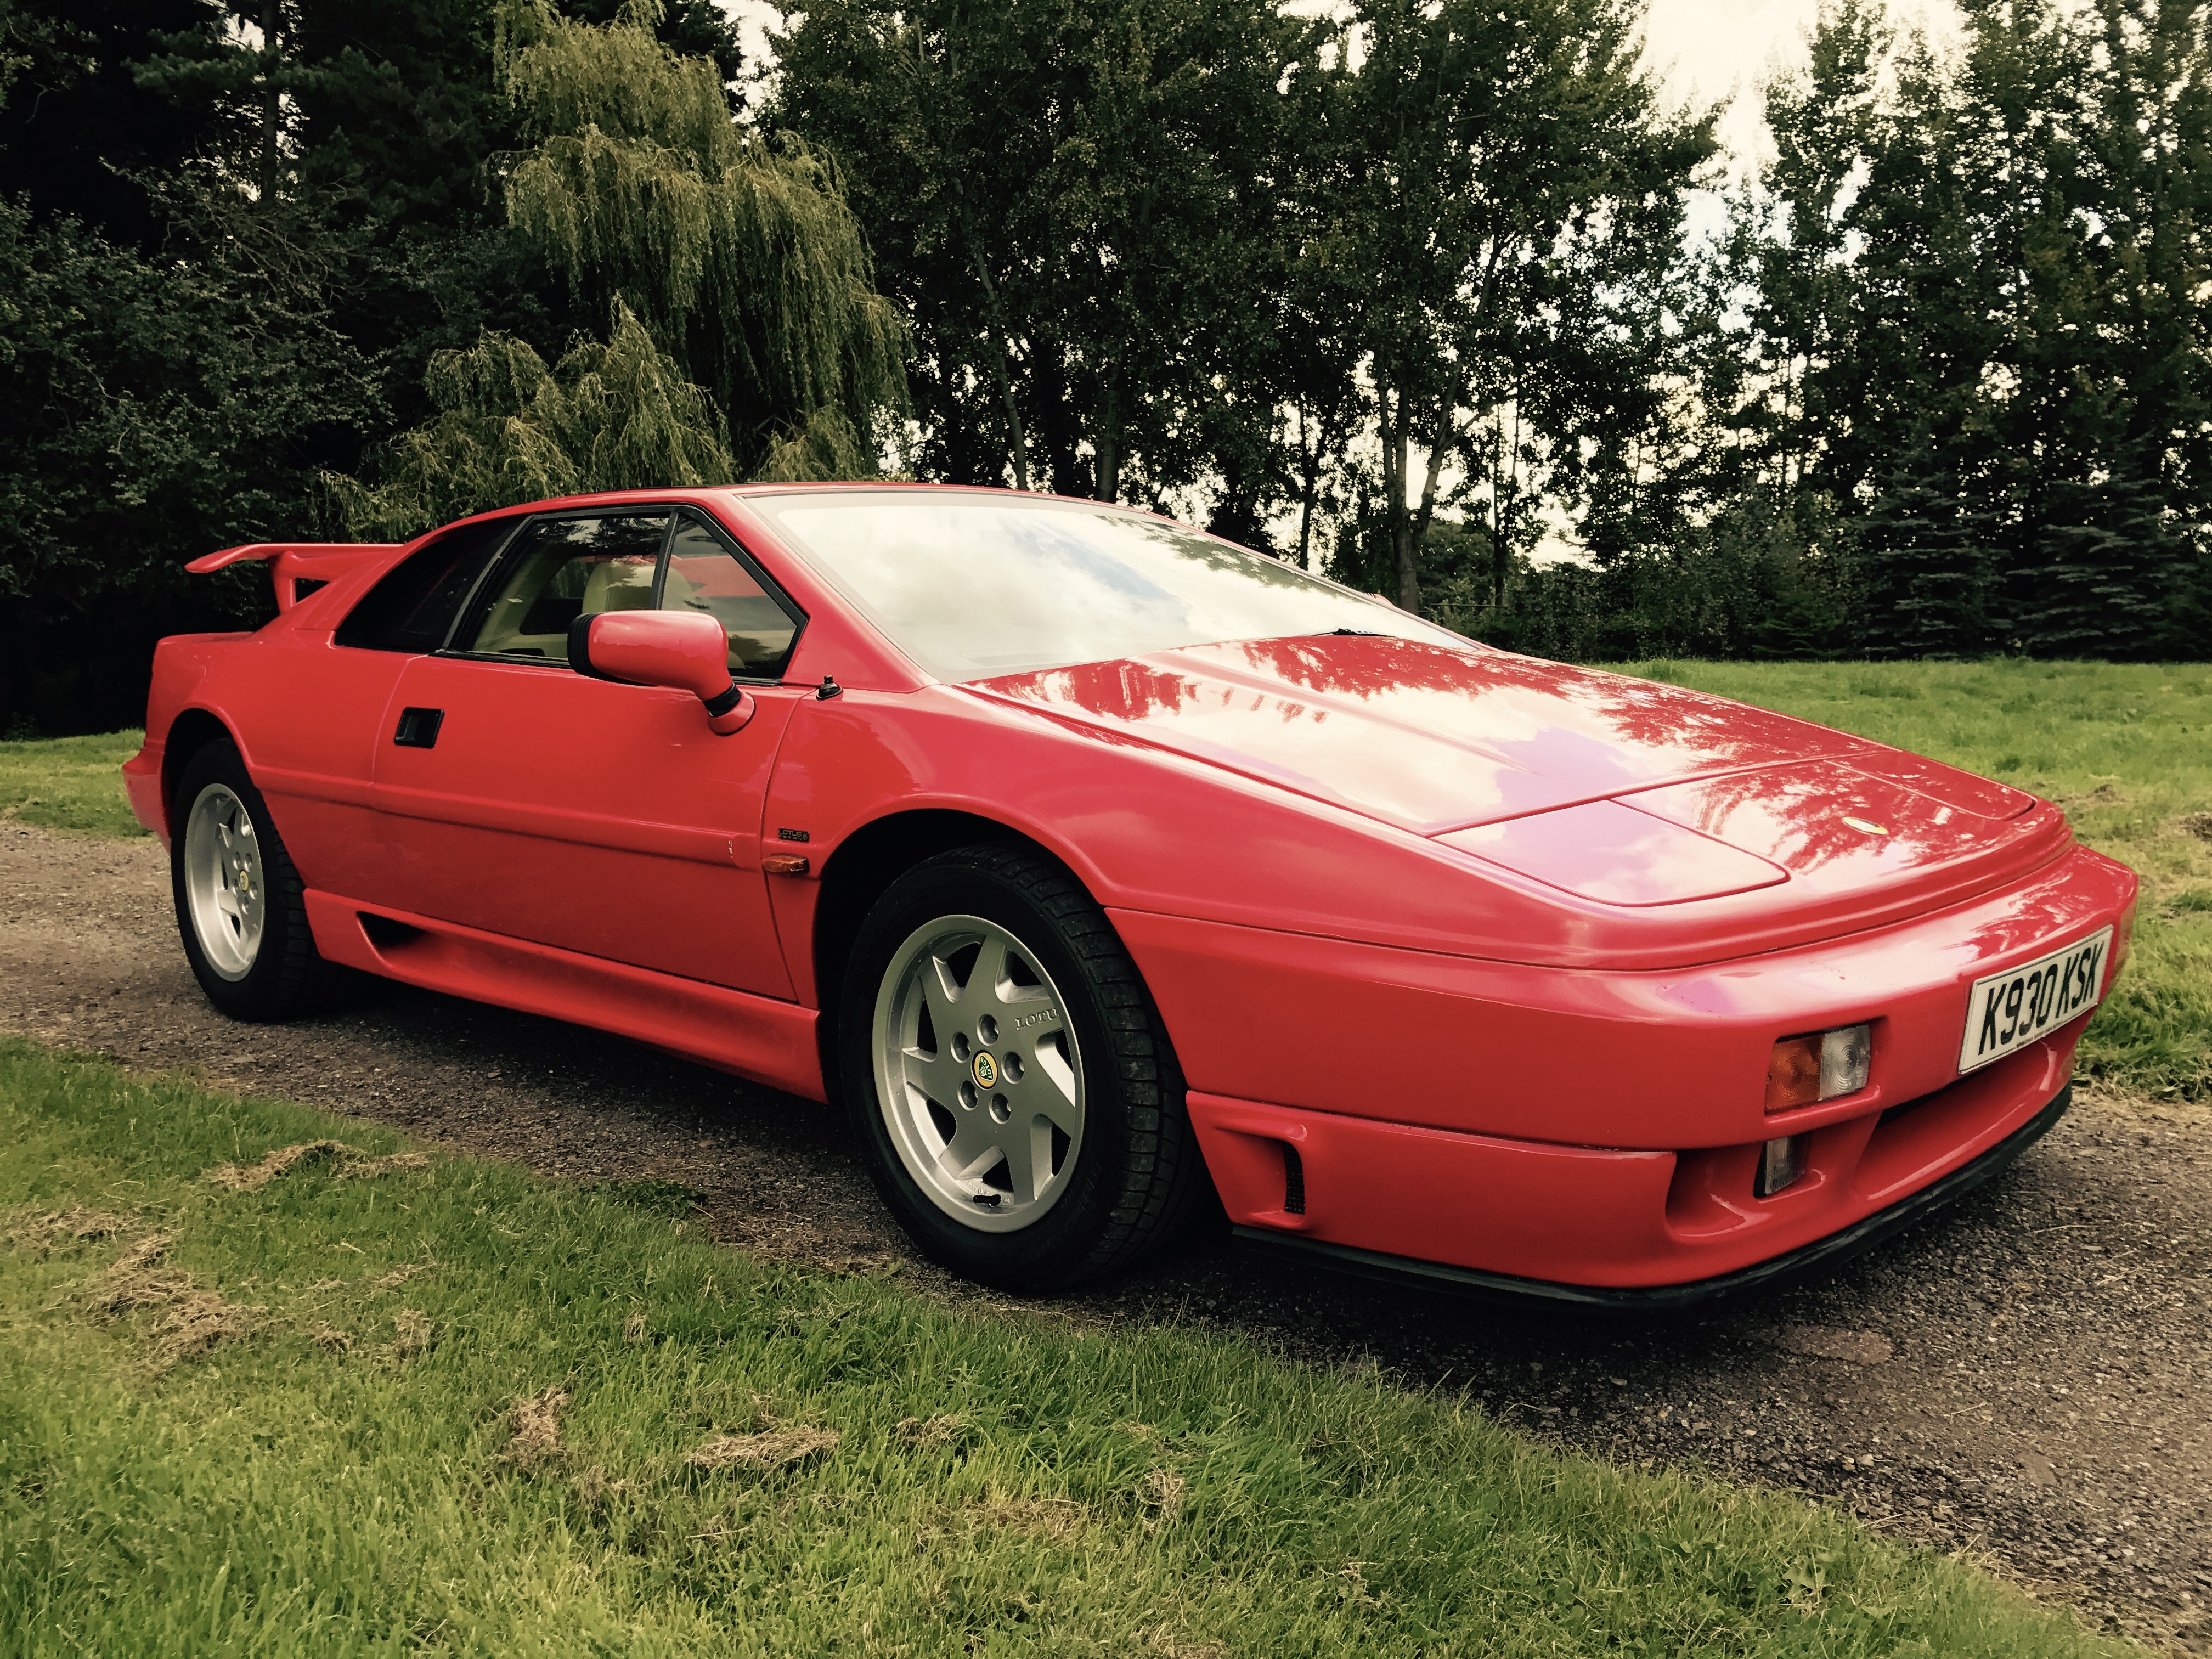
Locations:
{"points": [[1837, 1246]]}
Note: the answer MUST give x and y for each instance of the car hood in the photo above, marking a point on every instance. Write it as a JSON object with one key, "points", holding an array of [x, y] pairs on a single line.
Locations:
{"points": [[1626, 790]]}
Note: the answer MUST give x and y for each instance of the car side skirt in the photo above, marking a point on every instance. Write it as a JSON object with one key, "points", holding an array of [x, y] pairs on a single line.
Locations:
{"points": [[1506, 1288], [754, 1036]]}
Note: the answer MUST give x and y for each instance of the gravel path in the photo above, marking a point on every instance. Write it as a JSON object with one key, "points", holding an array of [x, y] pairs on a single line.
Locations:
{"points": [[2025, 1378]]}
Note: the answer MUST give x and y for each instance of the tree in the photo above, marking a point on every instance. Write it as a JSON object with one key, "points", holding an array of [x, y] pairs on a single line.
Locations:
{"points": [[1975, 330], [1081, 210], [735, 248], [1508, 158], [154, 410], [613, 416], [78, 134]]}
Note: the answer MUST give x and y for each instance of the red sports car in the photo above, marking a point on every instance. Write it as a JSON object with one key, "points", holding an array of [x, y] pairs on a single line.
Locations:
{"points": [[1099, 867]]}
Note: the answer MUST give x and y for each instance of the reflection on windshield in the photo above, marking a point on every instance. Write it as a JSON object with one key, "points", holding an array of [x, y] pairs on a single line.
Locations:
{"points": [[974, 587]]}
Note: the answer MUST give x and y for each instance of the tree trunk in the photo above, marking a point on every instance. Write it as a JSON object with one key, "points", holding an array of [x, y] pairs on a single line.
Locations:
{"points": [[1055, 426], [1108, 442], [1505, 501], [1439, 442], [1309, 487], [1002, 358], [1406, 543], [269, 107]]}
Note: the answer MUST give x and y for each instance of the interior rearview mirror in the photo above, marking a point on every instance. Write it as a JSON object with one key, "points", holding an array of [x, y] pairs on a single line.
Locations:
{"points": [[684, 650]]}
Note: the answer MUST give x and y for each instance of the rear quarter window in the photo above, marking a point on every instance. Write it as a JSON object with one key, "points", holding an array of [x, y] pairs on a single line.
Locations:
{"points": [[413, 607]]}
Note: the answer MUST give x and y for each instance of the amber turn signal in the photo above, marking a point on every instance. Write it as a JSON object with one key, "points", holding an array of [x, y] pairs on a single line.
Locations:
{"points": [[1803, 1071], [1793, 1073], [784, 864]]}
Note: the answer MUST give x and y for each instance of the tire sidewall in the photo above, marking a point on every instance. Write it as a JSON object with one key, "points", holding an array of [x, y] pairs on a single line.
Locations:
{"points": [[263, 993], [1055, 1245]]}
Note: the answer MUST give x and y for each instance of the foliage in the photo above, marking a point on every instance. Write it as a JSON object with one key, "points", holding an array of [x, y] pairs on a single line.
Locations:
{"points": [[1977, 325], [241, 252], [1517, 187], [1753, 584], [78, 134], [734, 246], [1404, 288], [353, 1475], [614, 417], [153, 406], [1088, 214]]}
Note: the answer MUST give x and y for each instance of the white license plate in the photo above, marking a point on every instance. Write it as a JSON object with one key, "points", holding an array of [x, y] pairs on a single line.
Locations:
{"points": [[2008, 1011]]}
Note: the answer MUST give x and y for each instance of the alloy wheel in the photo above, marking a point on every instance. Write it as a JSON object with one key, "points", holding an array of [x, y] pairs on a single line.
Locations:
{"points": [[978, 1073], [224, 888]]}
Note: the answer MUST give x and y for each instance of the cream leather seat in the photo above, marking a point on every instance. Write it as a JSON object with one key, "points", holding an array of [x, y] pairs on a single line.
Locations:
{"points": [[619, 585]]}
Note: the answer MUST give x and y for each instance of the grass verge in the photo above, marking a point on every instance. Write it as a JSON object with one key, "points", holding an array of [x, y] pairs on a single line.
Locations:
{"points": [[340, 1402], [2126, 749], [72, 784]]}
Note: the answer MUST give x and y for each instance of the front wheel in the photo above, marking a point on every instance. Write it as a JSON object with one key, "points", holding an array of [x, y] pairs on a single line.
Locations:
{"points": [[1019, 1099], [239, 901]]}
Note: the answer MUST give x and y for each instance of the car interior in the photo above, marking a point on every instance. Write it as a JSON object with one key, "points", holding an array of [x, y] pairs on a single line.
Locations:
{"points": [[564, 568]]}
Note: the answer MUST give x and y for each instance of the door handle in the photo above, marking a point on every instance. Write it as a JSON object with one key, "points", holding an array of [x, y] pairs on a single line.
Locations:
{"points": [[418, 728]]}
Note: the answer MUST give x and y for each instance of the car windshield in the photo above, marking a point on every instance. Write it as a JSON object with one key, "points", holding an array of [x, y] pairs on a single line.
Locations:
{"points": [[975, 585]]}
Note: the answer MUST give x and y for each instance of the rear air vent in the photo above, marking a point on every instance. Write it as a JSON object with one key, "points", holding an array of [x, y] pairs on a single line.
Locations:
{"points": [[1294, 1180]]}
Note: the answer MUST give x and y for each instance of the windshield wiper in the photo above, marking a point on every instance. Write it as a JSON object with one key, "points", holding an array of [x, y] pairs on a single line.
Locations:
{"points": [[1355, 633]]}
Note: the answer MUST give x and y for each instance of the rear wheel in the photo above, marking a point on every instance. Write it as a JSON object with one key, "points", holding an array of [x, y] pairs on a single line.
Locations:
{"points": [[239, 902], [1020, 1104]]}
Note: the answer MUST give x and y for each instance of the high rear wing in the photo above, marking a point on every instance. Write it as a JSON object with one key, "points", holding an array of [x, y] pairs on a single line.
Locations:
{"points": [[298, 568]]}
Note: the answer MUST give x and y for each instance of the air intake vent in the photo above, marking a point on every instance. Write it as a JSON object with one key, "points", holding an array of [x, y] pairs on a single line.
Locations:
{"points": [[1294, 1180], [385, 933]]}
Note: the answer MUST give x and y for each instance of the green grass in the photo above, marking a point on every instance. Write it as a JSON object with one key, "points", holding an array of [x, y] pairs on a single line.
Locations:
{"points": [[2126, 749], [1128, 1491], [72, 784]]}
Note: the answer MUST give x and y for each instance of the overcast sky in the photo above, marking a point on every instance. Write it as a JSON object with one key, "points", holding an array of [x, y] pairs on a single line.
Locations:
{"points": [[1712, 49]]}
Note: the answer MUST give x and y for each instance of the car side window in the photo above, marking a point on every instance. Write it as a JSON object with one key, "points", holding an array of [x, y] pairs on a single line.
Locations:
{"points": [[562, 568], [705, 572], [413, 605]]}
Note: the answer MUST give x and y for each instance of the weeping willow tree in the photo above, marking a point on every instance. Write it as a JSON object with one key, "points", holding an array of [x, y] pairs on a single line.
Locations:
{"points": [[619, 415], [736, 247], [747, 338]]}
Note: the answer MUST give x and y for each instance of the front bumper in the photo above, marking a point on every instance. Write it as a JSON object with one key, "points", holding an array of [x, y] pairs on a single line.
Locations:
{"points": [[1603, 1219], [1835, 1247], [1597, 1128]]}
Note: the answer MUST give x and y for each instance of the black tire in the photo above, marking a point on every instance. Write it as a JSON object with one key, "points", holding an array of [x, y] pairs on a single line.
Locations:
{"points": [[288, 976], [1138, 1175]]}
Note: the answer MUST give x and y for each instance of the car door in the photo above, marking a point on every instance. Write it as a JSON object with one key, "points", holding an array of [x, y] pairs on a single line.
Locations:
{"points": [[530, 801], [315, 729]]}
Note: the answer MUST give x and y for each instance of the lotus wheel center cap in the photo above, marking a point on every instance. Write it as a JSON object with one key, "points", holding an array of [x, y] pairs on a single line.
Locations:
{"points": [[985, 1070]]}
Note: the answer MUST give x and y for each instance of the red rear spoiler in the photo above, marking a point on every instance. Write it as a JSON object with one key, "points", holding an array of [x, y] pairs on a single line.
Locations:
{"points": [[298, 568]]}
